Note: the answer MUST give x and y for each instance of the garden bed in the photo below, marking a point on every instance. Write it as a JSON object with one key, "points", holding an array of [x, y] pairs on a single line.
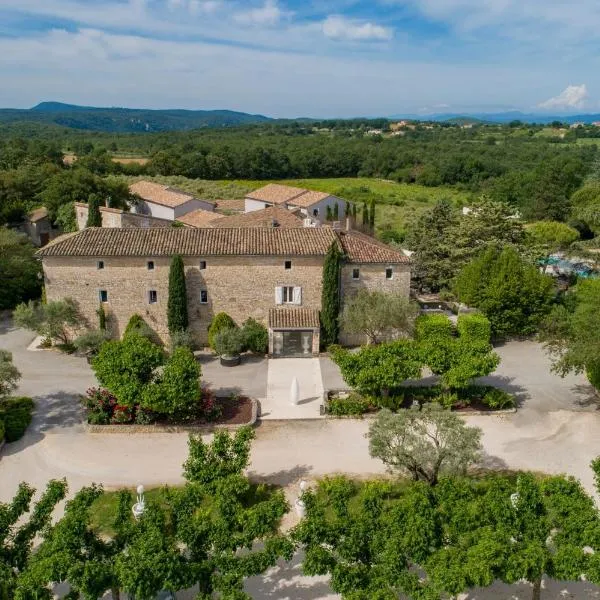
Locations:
{"points": [[475, 399], [231, 412]]}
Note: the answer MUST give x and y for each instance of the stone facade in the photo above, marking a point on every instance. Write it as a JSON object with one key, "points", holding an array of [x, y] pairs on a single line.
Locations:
{"points": [[373, 278], [240, 286]]}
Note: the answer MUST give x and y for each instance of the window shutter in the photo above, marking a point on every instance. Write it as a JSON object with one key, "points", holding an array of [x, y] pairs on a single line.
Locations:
{"points": [[297, 295], [278, 295]]}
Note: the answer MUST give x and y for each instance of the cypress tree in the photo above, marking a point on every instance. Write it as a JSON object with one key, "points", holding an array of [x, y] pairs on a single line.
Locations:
{"points": [[330, 298], [101, 318], [177, 314], [372, 216], [94, 218], [329, 216], [336, 212], [354, 210], [365, 214]]}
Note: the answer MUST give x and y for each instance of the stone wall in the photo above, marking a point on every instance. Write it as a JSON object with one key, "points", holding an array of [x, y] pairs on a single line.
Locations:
{"points": [[240, 286], [372, 277], [112, 217]]}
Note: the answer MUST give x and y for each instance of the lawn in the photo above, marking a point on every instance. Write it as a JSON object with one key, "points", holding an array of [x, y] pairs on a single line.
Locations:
{"points": [[104, 509], [397, 203]]}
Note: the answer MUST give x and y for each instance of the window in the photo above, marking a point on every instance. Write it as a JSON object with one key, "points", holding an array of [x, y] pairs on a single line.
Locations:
{"points": [[152, 297], [355, 273], [150, 265], [100, 264], [203, 297], [315, 212], [288, 264], [202, 265], [389, 273], [103, 295], [288, 294]]}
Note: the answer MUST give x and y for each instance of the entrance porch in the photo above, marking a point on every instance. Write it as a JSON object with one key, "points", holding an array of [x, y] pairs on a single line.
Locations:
{"points": [[294, 332]]}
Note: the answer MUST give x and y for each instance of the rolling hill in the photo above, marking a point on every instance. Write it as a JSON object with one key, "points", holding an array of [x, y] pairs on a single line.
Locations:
{"points": [[123, 120]]}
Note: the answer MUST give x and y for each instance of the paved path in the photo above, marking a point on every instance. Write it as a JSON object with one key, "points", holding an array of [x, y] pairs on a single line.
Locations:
{"points": [[281, 372], [556, 430]]}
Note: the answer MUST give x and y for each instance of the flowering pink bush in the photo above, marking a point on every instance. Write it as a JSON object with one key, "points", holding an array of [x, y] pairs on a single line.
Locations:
{"points": [[122, 414]]}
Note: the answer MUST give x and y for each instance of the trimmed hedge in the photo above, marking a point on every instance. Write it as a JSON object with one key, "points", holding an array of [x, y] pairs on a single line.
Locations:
{"points": [[433, 326], [474, 327], [15, 415], [353, 405]]}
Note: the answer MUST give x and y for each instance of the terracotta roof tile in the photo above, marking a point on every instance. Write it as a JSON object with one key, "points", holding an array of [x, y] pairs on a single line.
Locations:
{"points": [[161, 194], [276, 193], [199, 218], [309, 198], [38, 214], [362, 248], [293, 318], [249, 241], [238, 205], [272, 216]]}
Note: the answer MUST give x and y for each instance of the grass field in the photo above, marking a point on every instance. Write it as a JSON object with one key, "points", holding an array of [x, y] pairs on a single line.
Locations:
{"points": [[397, 203]]}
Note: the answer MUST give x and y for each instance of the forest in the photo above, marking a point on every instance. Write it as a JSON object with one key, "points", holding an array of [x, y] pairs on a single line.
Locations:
{"points": [[523, 166]]}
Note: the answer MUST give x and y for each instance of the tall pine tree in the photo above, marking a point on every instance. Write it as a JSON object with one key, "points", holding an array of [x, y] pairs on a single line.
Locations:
{"points": [[177, 313], [330, 298], [372, 217], [94, 218]]}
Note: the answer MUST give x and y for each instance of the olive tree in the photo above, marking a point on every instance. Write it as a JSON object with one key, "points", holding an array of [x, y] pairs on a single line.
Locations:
{"points": [[9, 374], [378, 315], [424, 443]]}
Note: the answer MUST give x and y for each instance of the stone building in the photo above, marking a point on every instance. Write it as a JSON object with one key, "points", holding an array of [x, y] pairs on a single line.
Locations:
{"points": [[312, 205], [116, 217], [271, 274], [165, 202]]}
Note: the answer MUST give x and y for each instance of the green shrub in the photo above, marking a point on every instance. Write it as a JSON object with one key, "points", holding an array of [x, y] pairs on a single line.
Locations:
{"points": [[393, 402], [593, 375], [256, 336], [220, 321], [498, 399], [90, 341], [181, 339], [228, 342], [15, 413], [353, 405], [137, 325], [433, 326], [474, 327], [447, 399]]}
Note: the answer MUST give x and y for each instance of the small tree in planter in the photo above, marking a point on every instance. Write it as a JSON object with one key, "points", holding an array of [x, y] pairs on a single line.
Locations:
{"points": [[228, 344]]}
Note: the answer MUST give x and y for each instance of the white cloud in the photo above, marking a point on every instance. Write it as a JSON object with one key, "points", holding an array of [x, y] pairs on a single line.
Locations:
{"points": [[268, 14], [573, 96], [338, 27]]}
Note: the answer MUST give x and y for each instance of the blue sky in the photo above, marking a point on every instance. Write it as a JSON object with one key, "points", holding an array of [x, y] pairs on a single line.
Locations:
{"points": [[287, 58]]}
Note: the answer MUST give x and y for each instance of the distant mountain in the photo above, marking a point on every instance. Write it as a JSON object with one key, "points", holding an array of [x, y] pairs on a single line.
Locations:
{"points": [[502, 117], [127, 119]]}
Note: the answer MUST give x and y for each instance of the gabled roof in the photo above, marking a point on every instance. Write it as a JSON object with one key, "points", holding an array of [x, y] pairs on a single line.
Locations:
{"points": [[167, 241], [276, 193], [200, 218], [362, 248], [272, 216], [226, 241], [161, 194]]}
